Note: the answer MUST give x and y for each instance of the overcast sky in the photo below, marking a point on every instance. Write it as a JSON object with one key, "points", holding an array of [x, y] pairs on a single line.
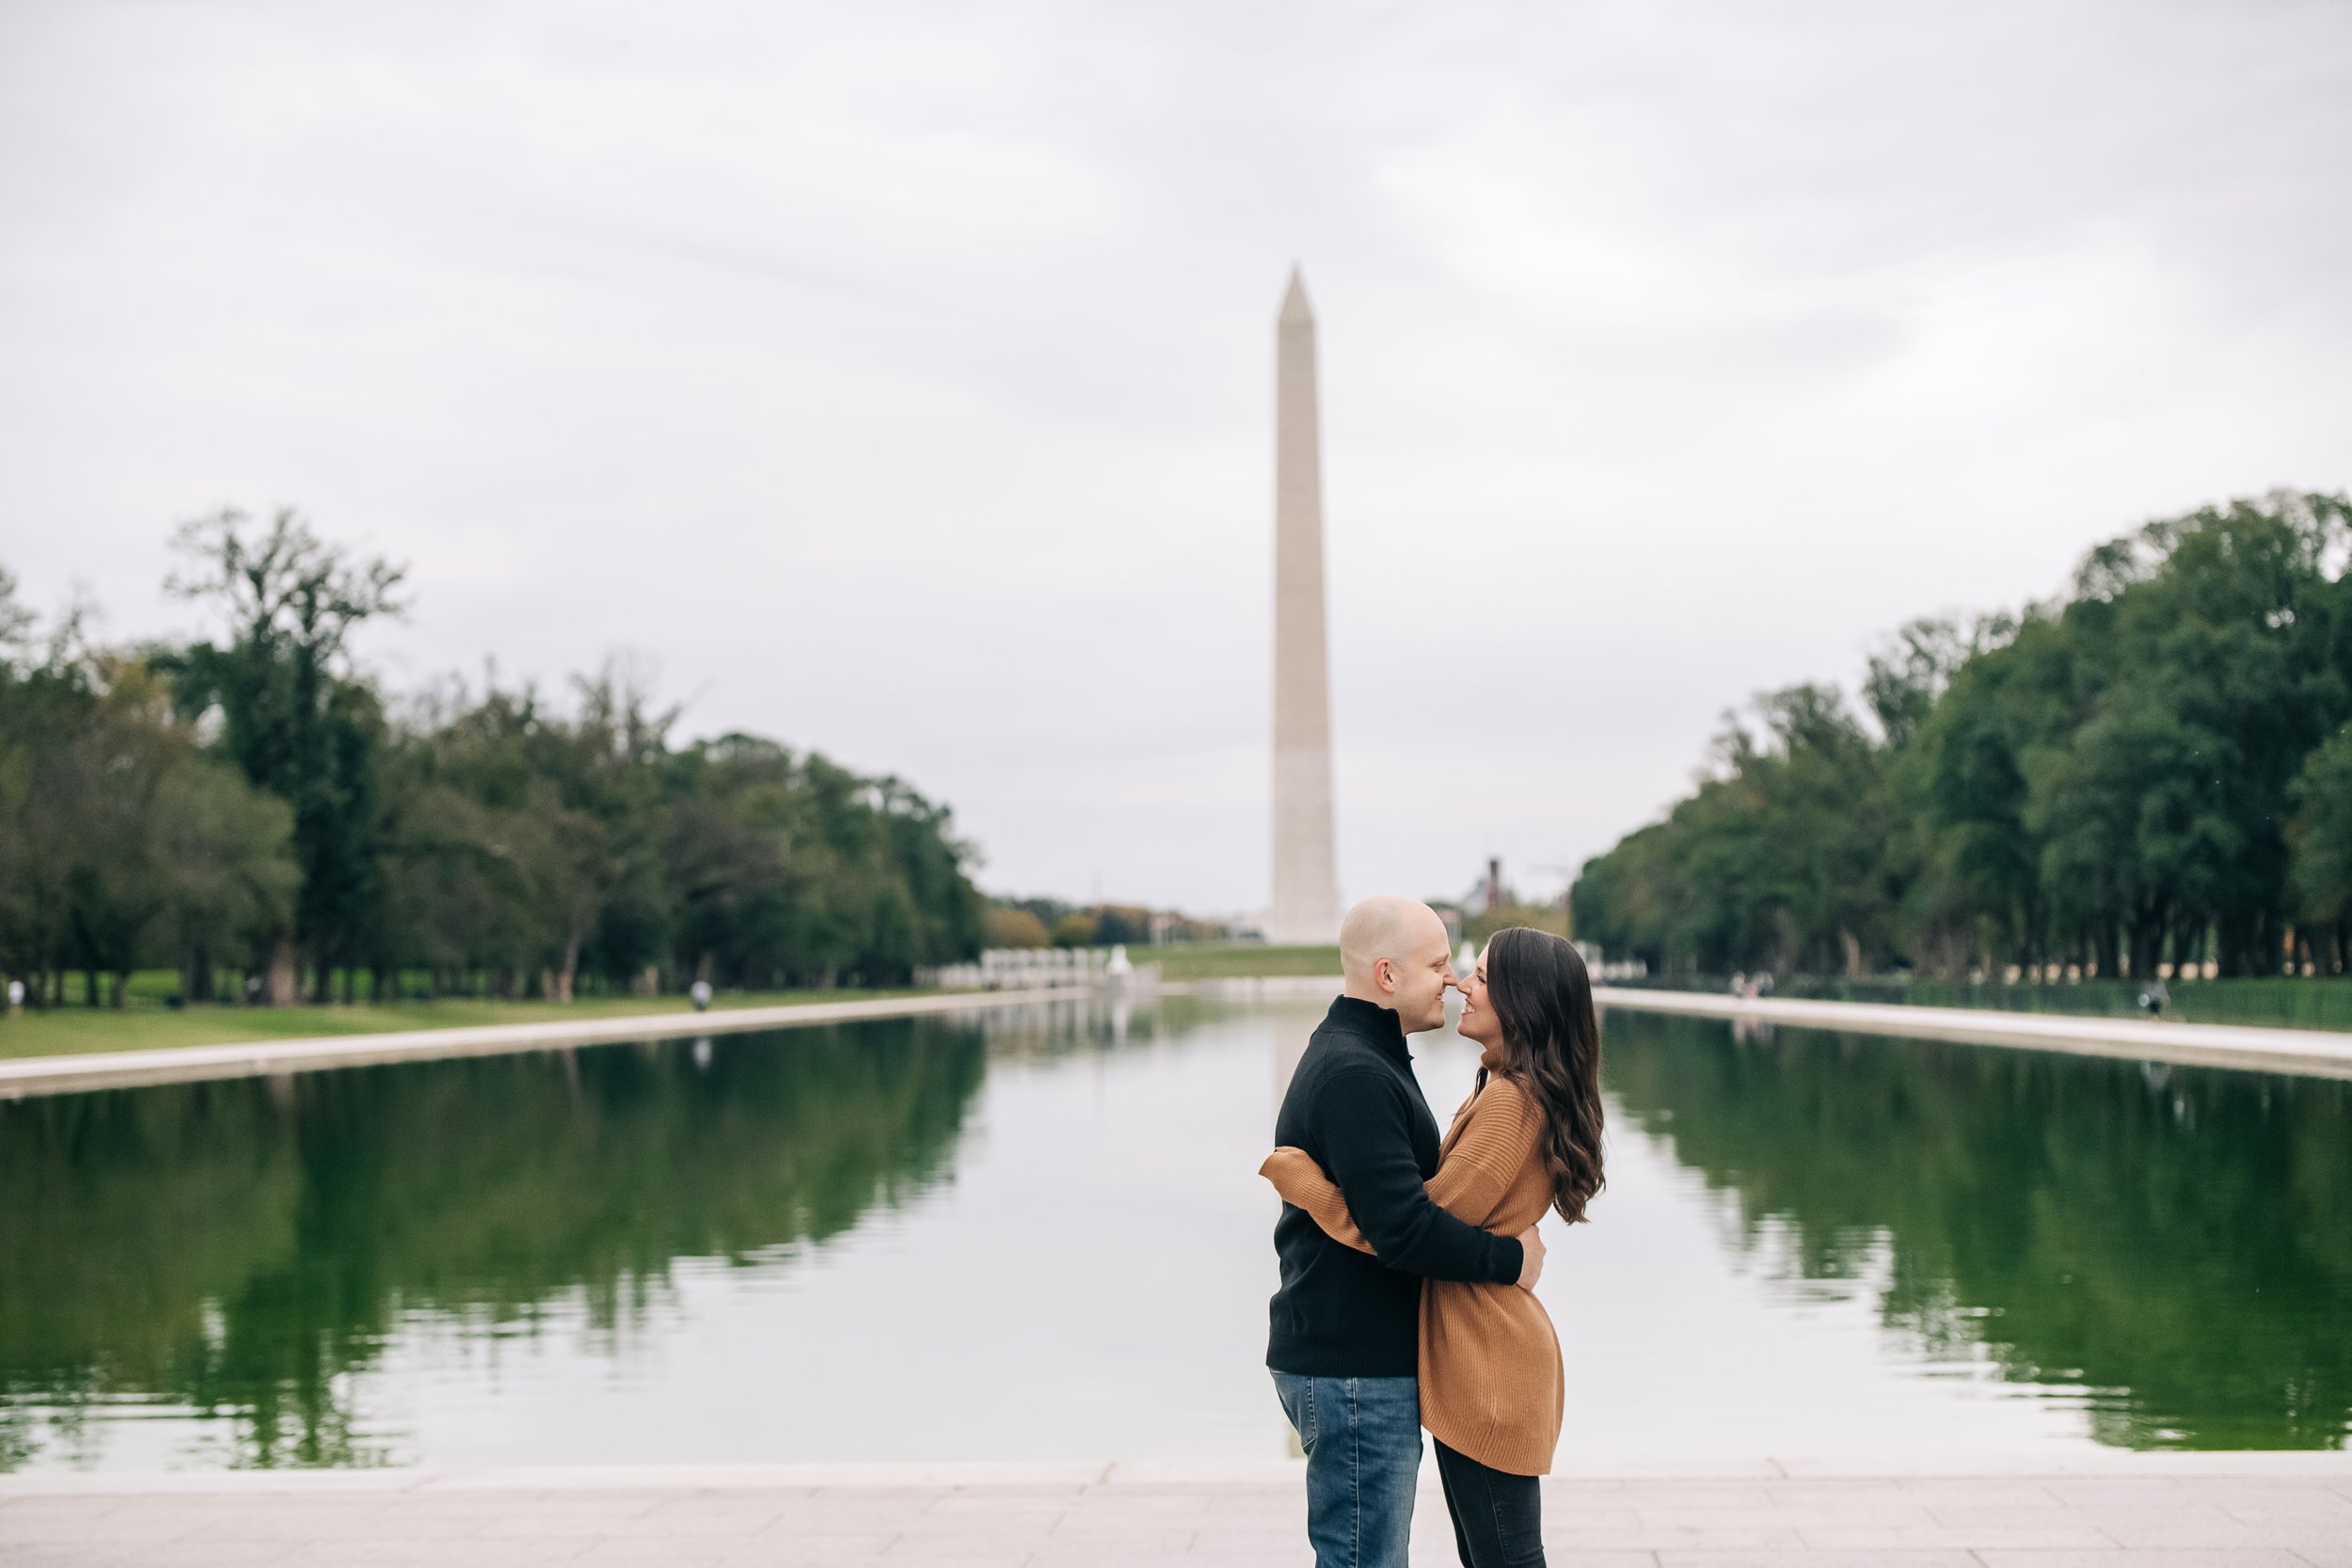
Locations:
{"points": [[897, 378]]}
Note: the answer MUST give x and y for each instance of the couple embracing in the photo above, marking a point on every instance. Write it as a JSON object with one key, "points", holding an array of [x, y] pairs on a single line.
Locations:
{"points": [[1410, 1259]]}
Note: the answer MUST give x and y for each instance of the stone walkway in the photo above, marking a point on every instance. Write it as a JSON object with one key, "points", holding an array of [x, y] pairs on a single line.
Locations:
{"points": [[2164, 1511]]}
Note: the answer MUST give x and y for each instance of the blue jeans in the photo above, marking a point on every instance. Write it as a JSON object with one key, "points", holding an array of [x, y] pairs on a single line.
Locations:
{"points": [[1362, 1437]]}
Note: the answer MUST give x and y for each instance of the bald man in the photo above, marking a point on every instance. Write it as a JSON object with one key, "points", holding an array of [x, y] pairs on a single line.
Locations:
{"points": [[1346, 1343]]}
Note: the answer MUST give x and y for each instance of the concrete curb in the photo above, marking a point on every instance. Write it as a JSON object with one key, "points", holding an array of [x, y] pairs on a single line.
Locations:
{"points": [[2314, 1052], [39, 1076]]}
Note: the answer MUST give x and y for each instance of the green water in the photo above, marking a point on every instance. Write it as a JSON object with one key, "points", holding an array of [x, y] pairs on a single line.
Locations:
{"points": [[1037, 1234]]}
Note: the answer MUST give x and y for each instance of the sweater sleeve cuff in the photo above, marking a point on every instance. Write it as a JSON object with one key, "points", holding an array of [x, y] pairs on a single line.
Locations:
{"points": [[1510, 1257]]}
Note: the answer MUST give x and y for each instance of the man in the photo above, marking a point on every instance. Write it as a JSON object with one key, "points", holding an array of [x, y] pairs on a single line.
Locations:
{"points": [[1345, 1341]]}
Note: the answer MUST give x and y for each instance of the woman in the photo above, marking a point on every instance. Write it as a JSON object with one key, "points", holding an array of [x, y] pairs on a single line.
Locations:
{"points": [[1527, 1139]]}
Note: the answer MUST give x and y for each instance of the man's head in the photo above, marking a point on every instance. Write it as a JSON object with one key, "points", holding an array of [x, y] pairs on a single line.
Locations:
{"points": [[1393, 952]]}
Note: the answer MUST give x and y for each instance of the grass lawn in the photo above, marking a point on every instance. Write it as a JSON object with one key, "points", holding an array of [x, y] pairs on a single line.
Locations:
{"points": [[1240, 961], [147, 1025]]}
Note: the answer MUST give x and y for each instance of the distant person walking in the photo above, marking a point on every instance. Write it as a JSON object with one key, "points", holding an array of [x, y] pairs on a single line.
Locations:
{"points": [[1528, 1139], [1344, 1347]]}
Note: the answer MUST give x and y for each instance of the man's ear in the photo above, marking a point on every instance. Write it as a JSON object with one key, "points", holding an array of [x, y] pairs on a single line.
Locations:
{"points": [[1384, 973]]}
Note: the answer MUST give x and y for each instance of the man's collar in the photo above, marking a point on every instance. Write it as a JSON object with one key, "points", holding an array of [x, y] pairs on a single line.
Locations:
{"points": [[1381, 1023]]}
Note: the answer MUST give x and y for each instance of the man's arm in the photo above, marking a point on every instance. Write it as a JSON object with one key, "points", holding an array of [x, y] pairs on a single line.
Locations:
{"points": [[1368, 1146]]}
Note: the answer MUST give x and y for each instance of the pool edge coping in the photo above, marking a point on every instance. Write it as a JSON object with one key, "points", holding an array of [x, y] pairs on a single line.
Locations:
{"points": [[26, 1076], [2311, 1053], [2252, 1048], [1176, 1474]]}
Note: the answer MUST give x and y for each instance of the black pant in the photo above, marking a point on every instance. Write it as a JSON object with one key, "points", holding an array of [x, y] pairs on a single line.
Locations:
{"points": [[1497, 1517]]}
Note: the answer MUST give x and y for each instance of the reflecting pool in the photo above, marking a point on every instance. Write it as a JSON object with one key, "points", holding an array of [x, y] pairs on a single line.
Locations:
{"points": [[1036, 1233]]}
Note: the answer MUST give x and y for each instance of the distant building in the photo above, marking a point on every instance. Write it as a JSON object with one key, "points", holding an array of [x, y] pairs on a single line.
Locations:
{"points": [[1489, 894]]}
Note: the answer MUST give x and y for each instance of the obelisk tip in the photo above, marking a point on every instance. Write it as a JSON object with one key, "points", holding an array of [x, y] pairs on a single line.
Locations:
{"points": [[1294, 299]]}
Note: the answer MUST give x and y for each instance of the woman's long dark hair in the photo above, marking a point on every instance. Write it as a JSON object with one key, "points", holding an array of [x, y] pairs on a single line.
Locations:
{"points": [[1537, 984]]}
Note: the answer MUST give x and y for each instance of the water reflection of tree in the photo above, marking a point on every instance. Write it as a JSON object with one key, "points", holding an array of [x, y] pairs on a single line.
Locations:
{"points": [[245, 1247], [2177, 1238]]}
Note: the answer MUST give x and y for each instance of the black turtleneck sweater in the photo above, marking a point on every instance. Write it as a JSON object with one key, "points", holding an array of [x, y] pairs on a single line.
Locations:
{"points": [[1356, 1107]]}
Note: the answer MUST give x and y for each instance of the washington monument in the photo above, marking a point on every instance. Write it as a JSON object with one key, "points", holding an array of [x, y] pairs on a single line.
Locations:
{"points": [[1306, 892]]}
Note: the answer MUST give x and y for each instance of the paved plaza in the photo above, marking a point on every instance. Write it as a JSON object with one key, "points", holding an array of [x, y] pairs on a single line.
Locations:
{"points": [[2120, 1511]]}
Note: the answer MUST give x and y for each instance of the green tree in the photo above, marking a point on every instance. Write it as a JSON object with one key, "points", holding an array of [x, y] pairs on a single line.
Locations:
{"points": [[2321, 834], [1016, 928], [1776, 862], [499, 841], [226, 853], [45, 701], [120, 841], [1975, 893], [1130, 923], [174, 855], [2211, 666], [295, 717], [2106, 782]]}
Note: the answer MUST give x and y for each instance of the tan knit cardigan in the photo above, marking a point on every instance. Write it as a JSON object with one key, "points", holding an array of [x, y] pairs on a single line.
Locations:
{"points": [[1490, 1378]]}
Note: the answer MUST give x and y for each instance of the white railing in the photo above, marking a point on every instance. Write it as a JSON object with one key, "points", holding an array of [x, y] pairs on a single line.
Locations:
{"points": [[1596, 966], [1040, 969]]}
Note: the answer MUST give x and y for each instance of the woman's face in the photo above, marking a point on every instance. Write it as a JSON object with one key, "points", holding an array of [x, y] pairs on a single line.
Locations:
{"points": [[1478, 1018]]}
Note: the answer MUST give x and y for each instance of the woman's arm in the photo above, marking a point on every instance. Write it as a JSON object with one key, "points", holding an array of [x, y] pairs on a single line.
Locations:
{"points": [[1302, 1184], [1503, 1127]]}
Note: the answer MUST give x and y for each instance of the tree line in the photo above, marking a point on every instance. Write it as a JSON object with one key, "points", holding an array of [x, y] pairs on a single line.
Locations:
{"points": [[1053, 923], [2155, 769], [255, 812]]}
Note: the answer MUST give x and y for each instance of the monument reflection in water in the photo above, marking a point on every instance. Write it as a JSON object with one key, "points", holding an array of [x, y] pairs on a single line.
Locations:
{"points": [[1040, 1237]]}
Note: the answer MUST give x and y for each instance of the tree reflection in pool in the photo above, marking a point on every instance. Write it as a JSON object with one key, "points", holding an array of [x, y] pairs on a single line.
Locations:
{"points": [[1041, 1228], [2179, 1241], [242, 1247]]}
